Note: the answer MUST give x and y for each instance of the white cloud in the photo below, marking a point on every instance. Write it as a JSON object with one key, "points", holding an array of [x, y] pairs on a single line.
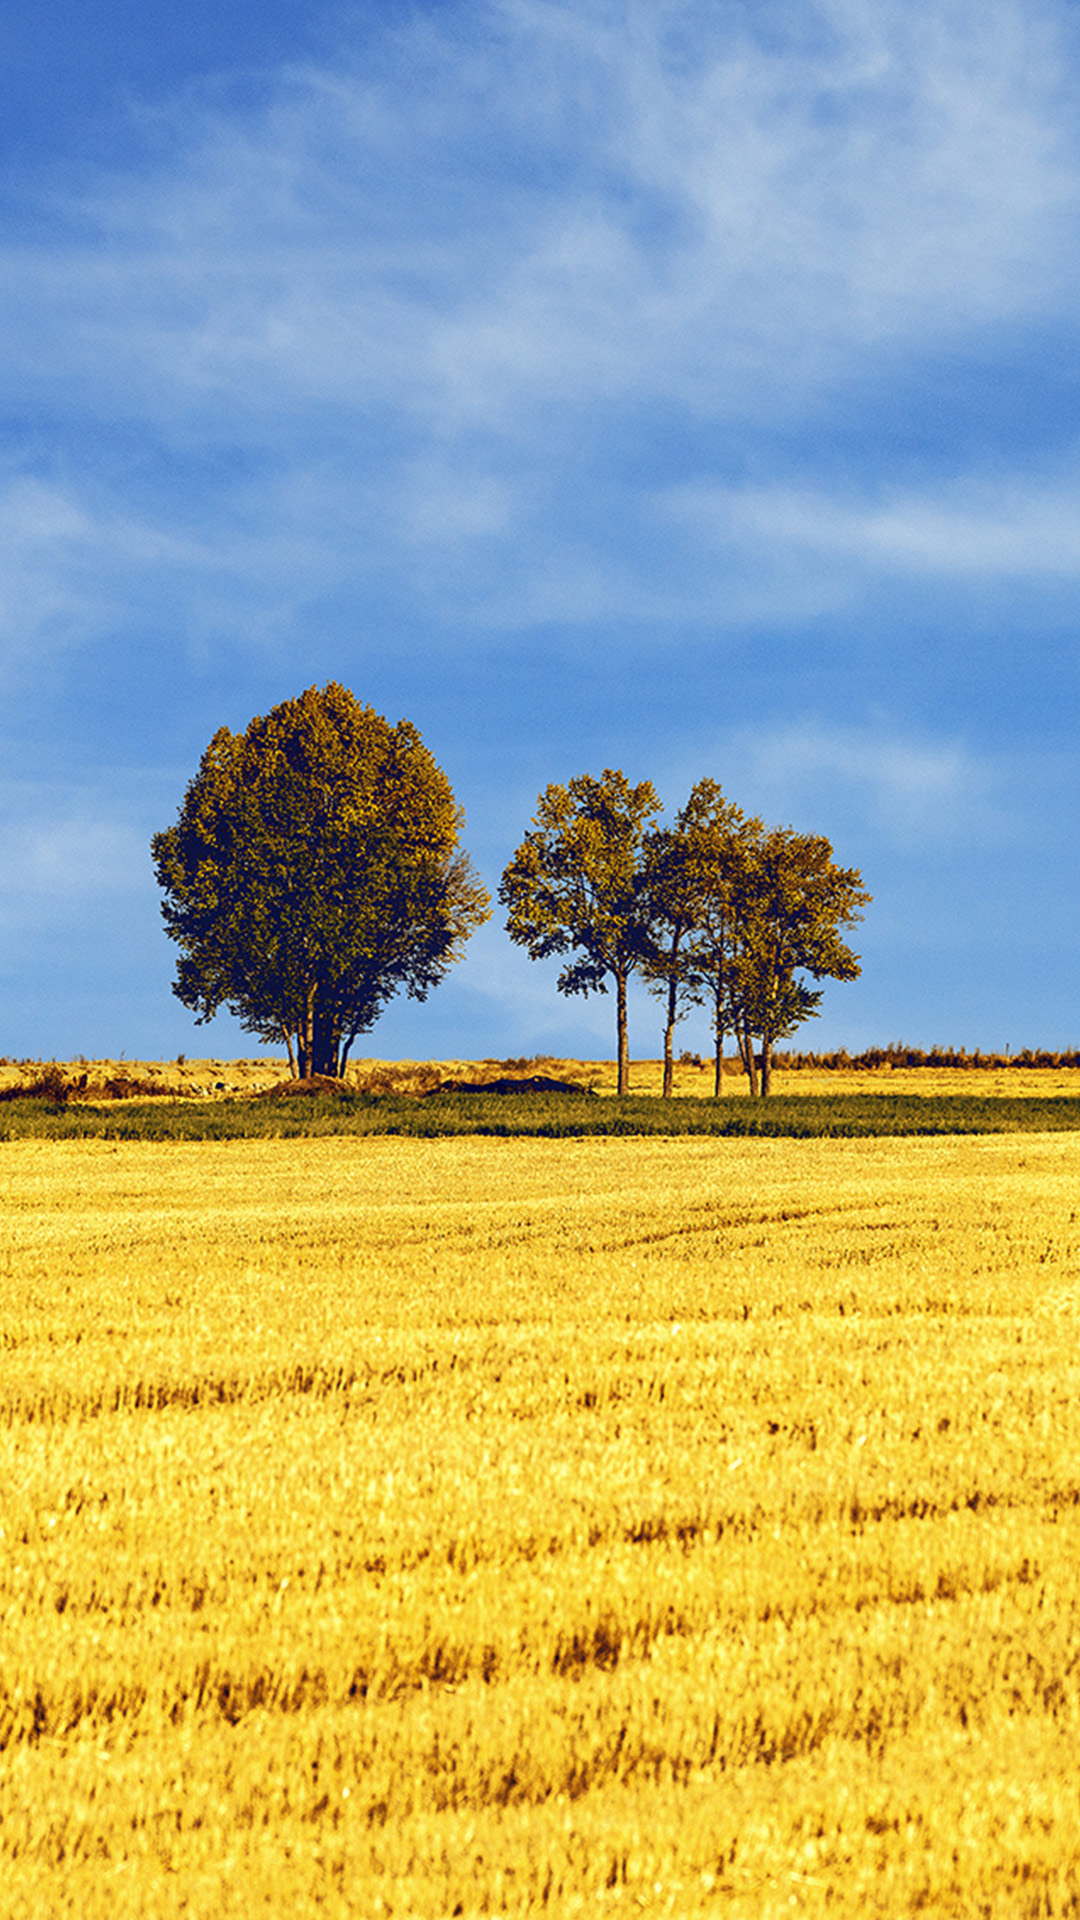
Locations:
{"points": [[73, 851], [386, 324], [1008, 529], [444, 506], [47, 590], [898, 771], [538, 204], [81, 559], [71, 563], [910, 791], [72, 856]]}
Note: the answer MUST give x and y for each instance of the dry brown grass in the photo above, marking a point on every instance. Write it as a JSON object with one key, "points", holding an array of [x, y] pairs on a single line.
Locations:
{"points": [[203, 1079], [231, 1079]]}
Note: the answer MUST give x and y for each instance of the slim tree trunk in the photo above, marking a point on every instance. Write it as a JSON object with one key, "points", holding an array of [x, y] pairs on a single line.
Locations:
{"points": [[292, 1056], [766, 1066], [746, 1049], [307, 1041], [623, 1035], [718, 1034], [669, 1039]]}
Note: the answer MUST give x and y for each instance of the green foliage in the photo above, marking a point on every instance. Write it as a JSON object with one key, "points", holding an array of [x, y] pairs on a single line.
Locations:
{"points": [[738, 913], [551, 1116], [575, 886], [716, 909], [692, 872], [790, 901], [313, 873]]}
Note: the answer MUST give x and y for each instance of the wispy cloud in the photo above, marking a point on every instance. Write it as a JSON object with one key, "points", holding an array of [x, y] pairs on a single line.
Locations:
{"points": [[985, 529], [408, 316], [73, 856], [904, 790], [51, 584], [70, 858], [538, 203], [75, 867]]}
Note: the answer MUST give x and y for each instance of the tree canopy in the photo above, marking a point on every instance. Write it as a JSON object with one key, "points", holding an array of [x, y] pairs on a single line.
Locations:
{"points": [[314, 872], [691, 872], [575, 886], [790, 902], [717, 909]]}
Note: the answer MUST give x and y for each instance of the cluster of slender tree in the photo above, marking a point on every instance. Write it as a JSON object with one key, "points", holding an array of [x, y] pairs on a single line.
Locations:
{"points": [[314, 871], [715, 910]]}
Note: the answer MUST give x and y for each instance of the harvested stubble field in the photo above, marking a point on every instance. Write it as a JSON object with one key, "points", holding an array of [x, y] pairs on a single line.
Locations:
{"points": [[495, 1527]]}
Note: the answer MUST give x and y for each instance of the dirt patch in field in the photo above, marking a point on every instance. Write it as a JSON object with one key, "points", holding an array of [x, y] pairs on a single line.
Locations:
{"points": [[536, 1083]]}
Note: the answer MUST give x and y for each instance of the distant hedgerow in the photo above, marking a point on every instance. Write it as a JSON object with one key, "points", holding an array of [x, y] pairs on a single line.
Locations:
{"points": [[900, 1055]]}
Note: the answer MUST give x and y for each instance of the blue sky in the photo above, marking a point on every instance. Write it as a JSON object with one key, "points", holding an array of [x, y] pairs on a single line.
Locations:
{"points": [[685, 388]]}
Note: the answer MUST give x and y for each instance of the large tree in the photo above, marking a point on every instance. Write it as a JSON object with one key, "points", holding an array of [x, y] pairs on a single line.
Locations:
{"points": [[575, 886], [313, 872]]}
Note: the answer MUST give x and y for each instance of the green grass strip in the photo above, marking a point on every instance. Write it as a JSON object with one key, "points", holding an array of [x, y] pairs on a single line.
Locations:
{"points": [[545, 1116]]}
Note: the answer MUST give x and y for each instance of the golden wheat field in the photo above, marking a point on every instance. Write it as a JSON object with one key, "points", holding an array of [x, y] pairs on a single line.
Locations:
{"points": [[496, 1527]]}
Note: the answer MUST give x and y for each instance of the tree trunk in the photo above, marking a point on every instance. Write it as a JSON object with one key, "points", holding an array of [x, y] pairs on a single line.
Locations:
{"points": [[749, 1060], [306, 1040], [718, 1033], [766, 1066], [623, 1035], [325, 1044], [292, 1056], [669, 1039]]}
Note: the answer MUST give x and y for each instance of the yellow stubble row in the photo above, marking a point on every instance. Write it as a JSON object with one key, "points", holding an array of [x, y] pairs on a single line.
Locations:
{"points": [[503, 1526]]}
